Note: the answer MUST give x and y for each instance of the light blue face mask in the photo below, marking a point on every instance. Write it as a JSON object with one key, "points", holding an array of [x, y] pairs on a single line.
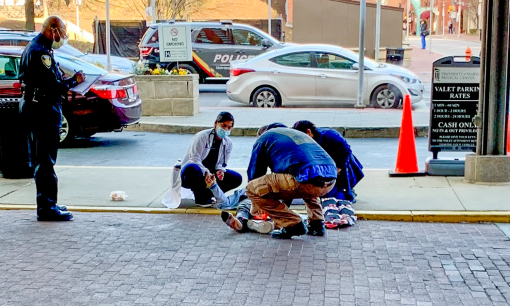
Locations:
{"points": [[221, 133]]}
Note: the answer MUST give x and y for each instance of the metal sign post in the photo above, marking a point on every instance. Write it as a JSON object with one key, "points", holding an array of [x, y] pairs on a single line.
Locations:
{"points": [[408, 17], [108, 51], [431, 26], [361, 63], [377, 30], [269, 17], [175, 43], [454, 104]]}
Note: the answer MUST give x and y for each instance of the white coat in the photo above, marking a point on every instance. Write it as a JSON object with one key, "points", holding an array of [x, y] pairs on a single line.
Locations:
{"points": [[201, 146]]}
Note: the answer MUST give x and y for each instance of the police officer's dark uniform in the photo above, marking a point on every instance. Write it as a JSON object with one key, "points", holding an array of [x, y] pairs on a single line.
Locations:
{"points": [[41, 109]]}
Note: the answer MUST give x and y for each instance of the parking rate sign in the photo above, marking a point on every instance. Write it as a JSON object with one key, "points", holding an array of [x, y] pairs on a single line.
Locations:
{"points": [[175, 43], [455, 93]]}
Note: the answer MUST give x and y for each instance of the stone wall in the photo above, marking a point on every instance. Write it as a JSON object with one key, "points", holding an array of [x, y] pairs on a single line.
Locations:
{"points": [[168, 95]]}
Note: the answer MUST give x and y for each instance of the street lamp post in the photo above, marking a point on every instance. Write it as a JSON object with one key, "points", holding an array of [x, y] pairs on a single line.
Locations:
{"points": [[408, 17], [361, 62], [269, 17], [443, 17], [377, 30], [459, 16], [431, 26], [108, 51]]}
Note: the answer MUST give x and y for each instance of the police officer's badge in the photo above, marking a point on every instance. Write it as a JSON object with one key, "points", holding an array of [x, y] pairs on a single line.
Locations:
{"points": [[46, 59]]}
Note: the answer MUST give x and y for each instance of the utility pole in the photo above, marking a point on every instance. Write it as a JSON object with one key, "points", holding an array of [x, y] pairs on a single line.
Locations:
{"points": [[78, 3], [361, 63], [431, 26], [378, 30], [153, 8], [29, 15], [459, 17], [490, 163], [108, 51], [408, 17], [269, 17], [443, 16]]}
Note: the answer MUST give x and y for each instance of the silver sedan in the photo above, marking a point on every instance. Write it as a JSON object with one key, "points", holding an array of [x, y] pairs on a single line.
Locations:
{"points": [[317, 74]]}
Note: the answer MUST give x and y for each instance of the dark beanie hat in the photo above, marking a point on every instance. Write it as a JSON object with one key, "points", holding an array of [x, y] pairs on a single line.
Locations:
{"points": [[224, 117]]}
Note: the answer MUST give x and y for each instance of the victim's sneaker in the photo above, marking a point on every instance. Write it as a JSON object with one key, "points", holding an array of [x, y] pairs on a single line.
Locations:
{"points": [[261, 226], [232, 221]]}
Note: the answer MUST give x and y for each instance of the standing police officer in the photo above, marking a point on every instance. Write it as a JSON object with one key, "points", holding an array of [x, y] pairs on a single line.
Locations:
{"points": [[41, 109]]}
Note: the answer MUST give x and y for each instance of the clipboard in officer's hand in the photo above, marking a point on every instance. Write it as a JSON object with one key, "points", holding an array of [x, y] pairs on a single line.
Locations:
{"points": [[85, 86]]}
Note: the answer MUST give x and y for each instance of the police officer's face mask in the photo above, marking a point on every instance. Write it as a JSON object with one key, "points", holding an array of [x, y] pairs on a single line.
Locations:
{"points": [[62, 39]]}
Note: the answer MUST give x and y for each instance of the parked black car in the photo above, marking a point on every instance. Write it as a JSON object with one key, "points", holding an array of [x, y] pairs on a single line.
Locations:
{"points": [[22, 38], [215, 45], [111, 104]]}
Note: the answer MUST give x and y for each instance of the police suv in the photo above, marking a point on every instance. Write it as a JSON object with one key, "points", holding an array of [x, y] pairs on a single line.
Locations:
{"points": [[215, 45]]}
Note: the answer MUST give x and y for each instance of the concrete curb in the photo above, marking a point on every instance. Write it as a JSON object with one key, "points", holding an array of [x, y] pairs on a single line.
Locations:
{"points": [[348, 132], [404, 215]]}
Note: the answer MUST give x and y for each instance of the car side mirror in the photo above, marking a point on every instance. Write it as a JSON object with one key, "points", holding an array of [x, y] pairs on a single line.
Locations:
{"points": [[266, 43], [355, 66]]}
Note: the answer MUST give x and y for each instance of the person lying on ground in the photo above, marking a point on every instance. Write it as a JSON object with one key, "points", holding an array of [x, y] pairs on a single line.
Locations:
{"points": [[350, 170], [244, 220]]}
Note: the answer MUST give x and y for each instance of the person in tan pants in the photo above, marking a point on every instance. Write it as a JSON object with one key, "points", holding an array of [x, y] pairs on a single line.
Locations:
{"points": [[300, 169]]}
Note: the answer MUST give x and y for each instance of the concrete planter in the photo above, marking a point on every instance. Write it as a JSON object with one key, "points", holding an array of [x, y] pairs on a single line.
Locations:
{"points": [[168, 95]]}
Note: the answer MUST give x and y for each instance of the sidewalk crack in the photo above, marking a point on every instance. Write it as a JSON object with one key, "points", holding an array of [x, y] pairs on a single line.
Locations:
{"points": [[13, 191], [455, 192]]}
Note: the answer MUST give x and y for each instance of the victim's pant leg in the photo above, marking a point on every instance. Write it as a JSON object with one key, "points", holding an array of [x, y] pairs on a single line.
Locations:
{"points": [[423, 42], [243, 210], [267, 193], [193, 178], [231, 180], [45, 142]]}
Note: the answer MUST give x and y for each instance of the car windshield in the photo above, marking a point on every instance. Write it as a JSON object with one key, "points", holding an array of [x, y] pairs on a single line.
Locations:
{"points": [[370, 63], [68, 49], [71, 64]]}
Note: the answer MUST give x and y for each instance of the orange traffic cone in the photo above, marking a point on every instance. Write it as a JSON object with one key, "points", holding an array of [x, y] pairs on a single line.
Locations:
{"points": [[468, 54], [407, 161]]}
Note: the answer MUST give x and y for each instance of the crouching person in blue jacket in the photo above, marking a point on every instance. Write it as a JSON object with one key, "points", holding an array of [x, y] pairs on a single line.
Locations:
{"points": [[350, 170], [208, 154], [300, 169]]}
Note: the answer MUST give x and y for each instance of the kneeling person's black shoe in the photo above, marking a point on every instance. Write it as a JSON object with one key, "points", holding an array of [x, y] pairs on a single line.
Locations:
{"points": [[316, 228], [54, 216], [289, 231], [61, 207]]}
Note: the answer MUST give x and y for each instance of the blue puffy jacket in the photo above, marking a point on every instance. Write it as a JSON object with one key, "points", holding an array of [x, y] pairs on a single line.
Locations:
{"points": [[289, 151]]}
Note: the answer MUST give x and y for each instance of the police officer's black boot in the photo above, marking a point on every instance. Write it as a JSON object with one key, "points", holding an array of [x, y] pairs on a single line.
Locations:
{"points": [[316, 228], [53, 214]]}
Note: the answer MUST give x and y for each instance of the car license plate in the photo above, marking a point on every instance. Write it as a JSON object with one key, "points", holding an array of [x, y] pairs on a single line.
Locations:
{"points": [[130, 93]]}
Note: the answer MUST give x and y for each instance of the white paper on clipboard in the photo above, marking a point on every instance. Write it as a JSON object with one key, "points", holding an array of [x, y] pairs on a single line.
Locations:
{"points": [[85, 86]]}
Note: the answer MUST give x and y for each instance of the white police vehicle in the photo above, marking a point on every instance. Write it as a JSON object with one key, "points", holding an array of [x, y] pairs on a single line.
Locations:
{"points": [[215, 45]]}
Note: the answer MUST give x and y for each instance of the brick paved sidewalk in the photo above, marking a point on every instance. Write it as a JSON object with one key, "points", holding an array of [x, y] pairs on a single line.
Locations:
{"points": [[131, 259]]}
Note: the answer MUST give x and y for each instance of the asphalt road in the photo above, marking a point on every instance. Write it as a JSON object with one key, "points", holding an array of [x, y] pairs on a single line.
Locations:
{"points": [[448, 47], [143, 149]]}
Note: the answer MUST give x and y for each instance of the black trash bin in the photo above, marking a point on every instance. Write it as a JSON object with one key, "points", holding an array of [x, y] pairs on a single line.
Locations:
{"points": [[395, 56], [14, 161]]}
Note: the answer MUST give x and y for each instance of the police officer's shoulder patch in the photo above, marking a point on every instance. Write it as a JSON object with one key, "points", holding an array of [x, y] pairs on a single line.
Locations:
{"points": [[46, 59]]}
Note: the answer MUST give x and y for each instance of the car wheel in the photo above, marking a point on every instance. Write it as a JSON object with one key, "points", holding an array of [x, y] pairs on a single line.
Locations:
{"points": [[386, 96], [266, 97], [66, 131]]}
